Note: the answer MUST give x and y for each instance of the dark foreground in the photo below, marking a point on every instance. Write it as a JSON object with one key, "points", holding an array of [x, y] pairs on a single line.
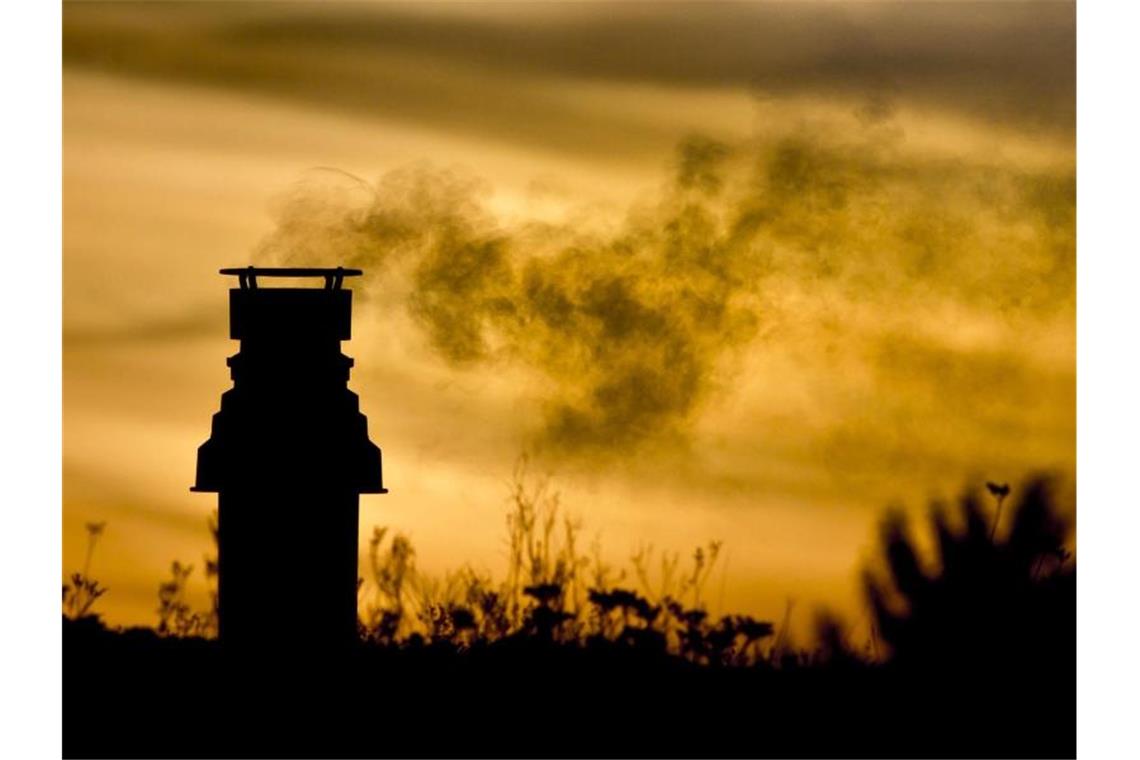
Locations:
{"points": [[134, 694]]}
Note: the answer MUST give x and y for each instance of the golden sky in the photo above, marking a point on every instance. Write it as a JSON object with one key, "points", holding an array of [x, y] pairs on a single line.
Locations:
{"points": [[747, 272]]}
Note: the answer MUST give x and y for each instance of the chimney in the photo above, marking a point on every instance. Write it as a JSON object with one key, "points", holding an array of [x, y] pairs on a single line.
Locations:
{"points": [[288, 456]]}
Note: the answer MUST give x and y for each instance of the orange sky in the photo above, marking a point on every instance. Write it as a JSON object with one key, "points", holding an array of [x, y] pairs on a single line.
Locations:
{"points": [[909, 292]]}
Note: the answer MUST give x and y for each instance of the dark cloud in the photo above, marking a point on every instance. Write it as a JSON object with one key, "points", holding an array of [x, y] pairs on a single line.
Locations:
{"points": [[500, 70], [200, 322]]}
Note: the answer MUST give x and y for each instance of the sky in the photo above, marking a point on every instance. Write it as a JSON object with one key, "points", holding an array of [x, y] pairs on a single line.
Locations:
{"points": [[743, 272]]}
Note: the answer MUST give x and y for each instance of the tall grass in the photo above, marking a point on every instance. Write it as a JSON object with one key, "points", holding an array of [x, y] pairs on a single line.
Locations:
{"points": [[81, 591], [554, 591], [993, 590]]}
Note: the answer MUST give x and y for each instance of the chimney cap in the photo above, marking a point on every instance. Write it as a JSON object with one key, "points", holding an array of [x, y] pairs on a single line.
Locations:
{"points": [[247, 276]]}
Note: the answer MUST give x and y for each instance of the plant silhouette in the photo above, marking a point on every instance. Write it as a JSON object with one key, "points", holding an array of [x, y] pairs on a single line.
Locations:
{"points": [[996, 602], [972, 655], [81, 591]]}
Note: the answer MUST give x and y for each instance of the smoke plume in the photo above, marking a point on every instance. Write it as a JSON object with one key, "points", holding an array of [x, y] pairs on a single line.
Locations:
{"points": [[631, 331]]}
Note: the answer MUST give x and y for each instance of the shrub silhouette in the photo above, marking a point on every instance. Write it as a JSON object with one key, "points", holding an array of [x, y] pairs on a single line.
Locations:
{"points": [[997, 601]]}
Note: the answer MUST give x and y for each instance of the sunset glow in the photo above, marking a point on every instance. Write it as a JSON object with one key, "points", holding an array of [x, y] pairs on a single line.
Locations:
{"points": [[747, 272]]}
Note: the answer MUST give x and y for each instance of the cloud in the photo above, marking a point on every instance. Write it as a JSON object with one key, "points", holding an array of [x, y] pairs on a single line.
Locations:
{"points": [[192, 323], [506, 73]]}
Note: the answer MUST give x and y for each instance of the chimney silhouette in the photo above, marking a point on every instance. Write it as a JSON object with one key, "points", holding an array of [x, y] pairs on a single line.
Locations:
{"points": [[288, 456]]}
